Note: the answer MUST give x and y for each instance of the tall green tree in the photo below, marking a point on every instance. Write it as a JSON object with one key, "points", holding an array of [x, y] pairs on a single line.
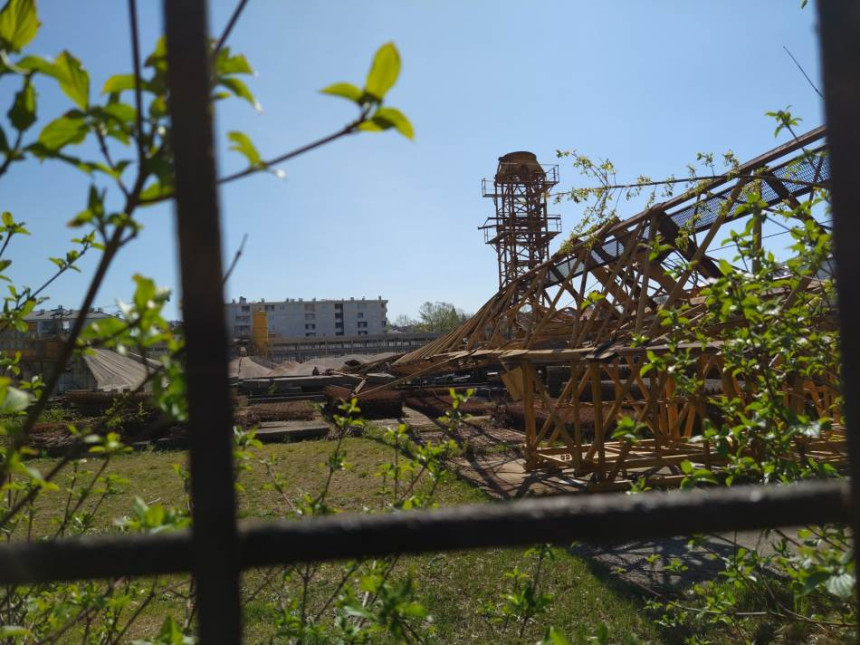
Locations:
{"points": [[440, 317]]}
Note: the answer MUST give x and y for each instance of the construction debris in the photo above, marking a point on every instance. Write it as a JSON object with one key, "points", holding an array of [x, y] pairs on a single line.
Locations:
{"points": [[567, 333]]}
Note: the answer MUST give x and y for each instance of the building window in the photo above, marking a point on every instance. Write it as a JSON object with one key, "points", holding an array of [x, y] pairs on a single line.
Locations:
{"points": [[310, 334], [309, 306], [246, 308], [310, 316], [384, 322], [362, 325], [362, 333], [310, 326], [360, 314], [339, 332]]}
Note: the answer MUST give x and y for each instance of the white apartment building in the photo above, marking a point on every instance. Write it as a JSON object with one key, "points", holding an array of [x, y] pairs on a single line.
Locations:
{"points": [[297, 318]]}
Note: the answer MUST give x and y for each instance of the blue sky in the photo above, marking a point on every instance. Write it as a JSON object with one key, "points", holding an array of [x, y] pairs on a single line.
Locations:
{"points": [[646, 84]]}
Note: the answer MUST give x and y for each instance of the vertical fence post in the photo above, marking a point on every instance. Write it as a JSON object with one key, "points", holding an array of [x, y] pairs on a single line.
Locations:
{"points": [[840, 53], [215, 539]]}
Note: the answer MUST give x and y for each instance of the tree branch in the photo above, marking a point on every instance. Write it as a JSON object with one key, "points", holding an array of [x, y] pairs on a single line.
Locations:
{"points": [[232, 23], [802, 71], [235, 259], [138, 95], [265, 165]]}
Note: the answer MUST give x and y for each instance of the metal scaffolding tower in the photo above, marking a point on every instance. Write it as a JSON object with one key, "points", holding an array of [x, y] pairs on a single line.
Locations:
{"points": [[521, 229]]}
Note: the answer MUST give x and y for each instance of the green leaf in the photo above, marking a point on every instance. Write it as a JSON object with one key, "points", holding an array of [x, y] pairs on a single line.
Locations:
{"points": [[38, 64], [4, 142], [841, 585], [19, 23], [118, 115], [344, 90], [243, 145], [241, 90], [68, 129], [84, 217], [41, 151], [22, 114], [156, 191], [73, 79], [370, 126], [15, 400], [393, 118], [158, 107], [237, 64], [118, 83], [555, 637], [12, 631], [384, 71], [158, 58]]}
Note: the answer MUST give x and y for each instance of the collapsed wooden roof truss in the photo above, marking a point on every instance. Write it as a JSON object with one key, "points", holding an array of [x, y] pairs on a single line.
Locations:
{"points": [[582, 309]]}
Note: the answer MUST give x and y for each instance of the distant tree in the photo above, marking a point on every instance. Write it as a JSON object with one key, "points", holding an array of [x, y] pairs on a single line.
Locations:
{"points": [[440, 317], [404, 323]]}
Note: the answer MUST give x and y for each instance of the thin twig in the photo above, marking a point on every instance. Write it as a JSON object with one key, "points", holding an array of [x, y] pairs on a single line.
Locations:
{"points": [[6, 243], [689, 180], [349, 129], [232, 23], [82, 497], [149, 598], [109, 159], [265, 165], [34, 294], [235, 259], [802, 71], [138, 93], [344, 579], [11, 155]]}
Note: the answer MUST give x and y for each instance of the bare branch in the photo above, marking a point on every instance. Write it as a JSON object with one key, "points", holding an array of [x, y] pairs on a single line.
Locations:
{"points": [[346, 130], [232, 23], [349, 129], [138, 96], [235, 259], [802, 71]]}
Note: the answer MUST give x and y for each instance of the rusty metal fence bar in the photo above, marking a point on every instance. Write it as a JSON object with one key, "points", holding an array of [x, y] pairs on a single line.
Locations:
{"points": [[214, 557], [588, 518], [839, 23], [216, 551]]}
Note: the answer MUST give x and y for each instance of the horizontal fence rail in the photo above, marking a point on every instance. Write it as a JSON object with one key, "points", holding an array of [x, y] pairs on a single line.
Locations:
{"points": [[603, 519]]}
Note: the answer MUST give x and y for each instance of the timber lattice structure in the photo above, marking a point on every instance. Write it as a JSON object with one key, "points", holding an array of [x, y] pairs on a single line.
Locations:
{"points": [[575, 359]]}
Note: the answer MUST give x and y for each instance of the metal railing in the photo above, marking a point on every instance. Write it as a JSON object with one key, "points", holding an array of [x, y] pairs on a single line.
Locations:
{"points": [[215, 550]]}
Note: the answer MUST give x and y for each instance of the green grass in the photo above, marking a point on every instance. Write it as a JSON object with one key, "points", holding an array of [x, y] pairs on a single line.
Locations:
{"points": [[453, 586]]}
